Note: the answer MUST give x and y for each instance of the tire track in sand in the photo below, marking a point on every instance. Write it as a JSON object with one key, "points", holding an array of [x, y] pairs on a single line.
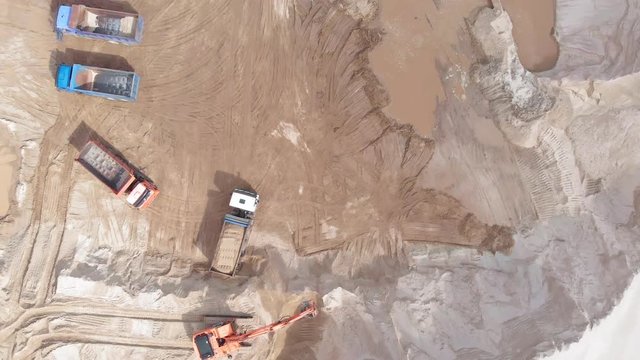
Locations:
{"points": [[36, 342]]}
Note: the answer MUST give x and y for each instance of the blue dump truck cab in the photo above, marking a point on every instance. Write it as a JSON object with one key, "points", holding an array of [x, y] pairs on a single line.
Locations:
{"points": [[101, 24], [90, 80]]}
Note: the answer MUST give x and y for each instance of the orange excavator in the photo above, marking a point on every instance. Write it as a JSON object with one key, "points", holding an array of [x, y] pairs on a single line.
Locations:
{"points": [[221, 340]]}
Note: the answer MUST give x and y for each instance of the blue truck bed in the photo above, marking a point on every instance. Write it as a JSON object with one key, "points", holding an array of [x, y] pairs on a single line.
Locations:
{"points": [[231, 242], [89, 80], [102, 24]]}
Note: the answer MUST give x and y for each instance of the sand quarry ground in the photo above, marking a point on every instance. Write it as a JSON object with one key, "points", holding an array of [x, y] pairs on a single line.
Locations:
{"points": [[358, 211]]}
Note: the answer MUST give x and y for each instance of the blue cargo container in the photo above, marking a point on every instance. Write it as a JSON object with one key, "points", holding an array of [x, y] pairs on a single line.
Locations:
{"points": [[90, 80], [93, 23]]}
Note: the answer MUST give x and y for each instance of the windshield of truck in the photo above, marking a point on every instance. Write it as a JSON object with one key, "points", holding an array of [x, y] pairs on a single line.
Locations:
{"points": [[143, 199], [204, 347]]}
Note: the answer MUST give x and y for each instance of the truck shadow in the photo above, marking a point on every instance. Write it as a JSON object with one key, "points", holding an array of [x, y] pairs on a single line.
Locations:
{"points": [[210, 225], [83, 133], [217, 205], [102, 4], [71, 56]]}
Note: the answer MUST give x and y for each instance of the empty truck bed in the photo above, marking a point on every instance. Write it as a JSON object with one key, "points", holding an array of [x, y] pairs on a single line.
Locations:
{"points": [[104, 166], [103, 21], [115, 83], [105, 81], [230, 243]]}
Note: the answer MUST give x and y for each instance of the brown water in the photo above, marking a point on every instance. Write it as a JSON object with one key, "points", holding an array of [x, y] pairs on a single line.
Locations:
{"points": [[418, 34], [533, 23]]}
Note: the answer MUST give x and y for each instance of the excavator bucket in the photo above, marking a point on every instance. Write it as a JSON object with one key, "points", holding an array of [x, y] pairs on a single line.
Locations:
{"points": [[308, 305]]}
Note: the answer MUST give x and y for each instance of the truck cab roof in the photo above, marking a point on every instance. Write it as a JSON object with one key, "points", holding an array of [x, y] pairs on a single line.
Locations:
{"points": [[63, 76], [244, 200], [62, 20], [203, 346], [139, 195]]}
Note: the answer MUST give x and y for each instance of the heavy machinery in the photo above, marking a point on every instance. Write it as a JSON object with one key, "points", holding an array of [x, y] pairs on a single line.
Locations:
{"points": [[107, 83], [114, 172], [236, 227], [221, 340], [93, 23]]}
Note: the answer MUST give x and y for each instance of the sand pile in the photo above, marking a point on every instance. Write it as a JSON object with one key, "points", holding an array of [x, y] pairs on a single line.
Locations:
{"points": [[574, 247]]}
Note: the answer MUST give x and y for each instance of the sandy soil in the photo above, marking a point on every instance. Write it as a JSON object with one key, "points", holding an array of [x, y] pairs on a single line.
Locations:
{"points": [[357, 211], [7, 176], [590, 34]]}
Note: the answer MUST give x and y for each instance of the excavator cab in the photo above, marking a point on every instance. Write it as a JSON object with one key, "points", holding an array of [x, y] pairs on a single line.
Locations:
{"points": [[205, 350], [210, 343]]}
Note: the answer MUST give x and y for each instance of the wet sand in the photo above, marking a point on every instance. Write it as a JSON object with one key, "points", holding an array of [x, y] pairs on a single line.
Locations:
{"points": [[418, 34], [533, 23], [7, 165]]}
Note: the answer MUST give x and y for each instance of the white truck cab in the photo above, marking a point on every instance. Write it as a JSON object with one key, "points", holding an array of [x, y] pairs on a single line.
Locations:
{"points": [[244, 200]]}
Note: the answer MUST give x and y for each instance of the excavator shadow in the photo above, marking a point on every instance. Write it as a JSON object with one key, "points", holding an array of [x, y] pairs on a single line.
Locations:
{"points": [[239, 319]]}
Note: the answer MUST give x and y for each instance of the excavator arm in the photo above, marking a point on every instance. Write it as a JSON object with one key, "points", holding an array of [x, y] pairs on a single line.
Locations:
{"points": [[309, 310]]}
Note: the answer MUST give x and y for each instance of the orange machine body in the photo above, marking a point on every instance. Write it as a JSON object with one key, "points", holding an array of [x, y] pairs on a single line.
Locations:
{"points": [[222, 341]]}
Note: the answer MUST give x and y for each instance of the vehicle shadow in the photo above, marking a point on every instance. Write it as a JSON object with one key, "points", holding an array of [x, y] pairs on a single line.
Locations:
{"points": [[84, 133], [102, 4], [212, 218], [71, 56]]}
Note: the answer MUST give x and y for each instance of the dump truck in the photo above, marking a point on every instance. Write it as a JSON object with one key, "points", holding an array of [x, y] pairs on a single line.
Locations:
{"points": [[102, 24], [121, 178], [90, 80], [222, 340], [234, 234]]}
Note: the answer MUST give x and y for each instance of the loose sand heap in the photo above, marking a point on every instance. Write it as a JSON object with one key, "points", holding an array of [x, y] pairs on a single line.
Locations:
{"points": [[501, 237]]}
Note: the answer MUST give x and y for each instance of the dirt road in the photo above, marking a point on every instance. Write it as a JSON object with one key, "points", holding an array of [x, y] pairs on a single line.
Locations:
{"points": [[271, 96]]}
